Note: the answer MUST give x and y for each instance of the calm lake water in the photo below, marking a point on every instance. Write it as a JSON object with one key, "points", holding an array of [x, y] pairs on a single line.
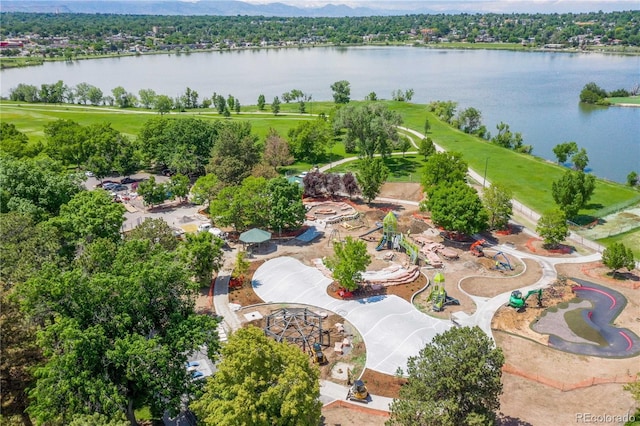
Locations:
{"points": [[536, 93]]}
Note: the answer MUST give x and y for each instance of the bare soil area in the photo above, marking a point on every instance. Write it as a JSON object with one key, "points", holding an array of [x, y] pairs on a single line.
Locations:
{"points": [[525, 401], [350, 414]]}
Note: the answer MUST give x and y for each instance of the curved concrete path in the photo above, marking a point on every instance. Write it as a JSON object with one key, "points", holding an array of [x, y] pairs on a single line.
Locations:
{"points": [[391, 327]]}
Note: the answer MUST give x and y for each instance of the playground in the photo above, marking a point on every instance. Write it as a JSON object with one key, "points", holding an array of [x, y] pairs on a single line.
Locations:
{"points": [[535, 370]]}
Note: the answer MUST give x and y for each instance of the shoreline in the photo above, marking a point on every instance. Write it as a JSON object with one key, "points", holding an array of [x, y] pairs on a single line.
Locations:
{"points": [[443, 46]]}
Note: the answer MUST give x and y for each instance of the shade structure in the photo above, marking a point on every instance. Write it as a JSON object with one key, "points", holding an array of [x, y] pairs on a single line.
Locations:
{"points": [[255, 236], [438, 278]]}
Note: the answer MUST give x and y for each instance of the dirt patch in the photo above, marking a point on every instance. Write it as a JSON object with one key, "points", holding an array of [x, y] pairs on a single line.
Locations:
{"points": [[519, 322], [404, 291], [402, 191], [490, 285], [340, 413], [383, 384]]}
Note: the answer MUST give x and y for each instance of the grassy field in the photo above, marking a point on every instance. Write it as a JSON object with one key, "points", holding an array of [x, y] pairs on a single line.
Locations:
{"points": [[527, 176], [630, 239], [632, 100], [19, 62]]}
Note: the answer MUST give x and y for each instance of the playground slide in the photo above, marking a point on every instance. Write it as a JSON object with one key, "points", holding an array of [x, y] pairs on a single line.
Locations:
{"points": [[382, 243], [371, 231]]}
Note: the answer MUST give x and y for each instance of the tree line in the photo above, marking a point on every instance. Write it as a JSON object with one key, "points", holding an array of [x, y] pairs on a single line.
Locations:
{"points": [[96, 33]]}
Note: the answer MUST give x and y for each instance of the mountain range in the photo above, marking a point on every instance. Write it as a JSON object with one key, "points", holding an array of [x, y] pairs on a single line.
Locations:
{"points": [[309, 8]]}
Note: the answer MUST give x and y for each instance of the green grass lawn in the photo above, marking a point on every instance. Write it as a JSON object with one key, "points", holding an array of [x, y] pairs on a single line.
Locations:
{"points": [[527, 176], [630, 239], [634, 100]]}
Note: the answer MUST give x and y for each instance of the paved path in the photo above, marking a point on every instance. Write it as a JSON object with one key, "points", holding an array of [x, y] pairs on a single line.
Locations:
{"points": [[391, 327]]}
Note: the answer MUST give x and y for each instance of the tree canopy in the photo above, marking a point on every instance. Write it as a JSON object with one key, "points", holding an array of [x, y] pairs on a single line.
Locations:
{"points": [[275, 204], [37, 187], [573, 191], [371, 175], [372, 126], [260, 382], [349, 261], [115, 336], [552, 227], [443, 168], [341, 92], [454, 380], [235, 153], [182, 145], [618, 256], [497, 201], [457, 207]]}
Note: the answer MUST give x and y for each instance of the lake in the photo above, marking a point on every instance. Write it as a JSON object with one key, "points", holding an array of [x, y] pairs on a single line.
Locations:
{"points": [[536, 93]]}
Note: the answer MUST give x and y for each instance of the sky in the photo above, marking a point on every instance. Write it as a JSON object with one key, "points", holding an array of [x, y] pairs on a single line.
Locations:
{"points": [[497, 6]]}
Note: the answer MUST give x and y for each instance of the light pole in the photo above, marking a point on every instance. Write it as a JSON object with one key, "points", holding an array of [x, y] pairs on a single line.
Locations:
{"points": [[484, 179]]}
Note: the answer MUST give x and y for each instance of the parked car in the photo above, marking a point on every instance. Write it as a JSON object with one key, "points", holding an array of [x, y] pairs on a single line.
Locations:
{"points": [[109, 185], [119, 187], [88, 173], [105, 182], [127, 180], [203, 227]]}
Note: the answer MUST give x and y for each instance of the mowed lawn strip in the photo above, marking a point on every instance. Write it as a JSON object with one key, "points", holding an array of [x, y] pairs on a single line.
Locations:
{"points": [[529, 177]]}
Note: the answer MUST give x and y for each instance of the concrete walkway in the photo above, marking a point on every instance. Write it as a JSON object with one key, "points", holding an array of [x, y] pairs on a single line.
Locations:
{"points": [[392, 328]]}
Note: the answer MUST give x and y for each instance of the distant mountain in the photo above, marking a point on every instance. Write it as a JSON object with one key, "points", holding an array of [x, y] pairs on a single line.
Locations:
{"points": [[223, 8], [329, 8]]}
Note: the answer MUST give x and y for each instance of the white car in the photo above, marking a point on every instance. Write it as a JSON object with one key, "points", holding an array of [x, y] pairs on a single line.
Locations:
{"points": [[203, 227]]}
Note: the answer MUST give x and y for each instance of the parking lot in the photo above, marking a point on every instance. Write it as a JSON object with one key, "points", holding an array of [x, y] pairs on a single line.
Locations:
{"points": [[181, 216]]}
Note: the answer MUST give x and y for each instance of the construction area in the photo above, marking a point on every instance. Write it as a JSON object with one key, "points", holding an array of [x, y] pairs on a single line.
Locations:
{"points": [[420, 283]]}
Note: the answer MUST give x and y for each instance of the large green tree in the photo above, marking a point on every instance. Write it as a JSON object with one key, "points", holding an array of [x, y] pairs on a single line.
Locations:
{"points": [[454, 380], [285, 208], [310, 139], [371, 175], [260, 382], [573, 191], [25, 246], [116, 336], [426, 147], [341, 92], [90, 215], [66, 141], [457, 207], [182, 145], [152, 192], [275, 204], [617, 256], [203, 255], [235, 154], [497, 201], [552, 227], [564, 151], [12, 141], [35, 186], [109, 151], [156, 231], [349, 261], [444, 168], [372, 126]]}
